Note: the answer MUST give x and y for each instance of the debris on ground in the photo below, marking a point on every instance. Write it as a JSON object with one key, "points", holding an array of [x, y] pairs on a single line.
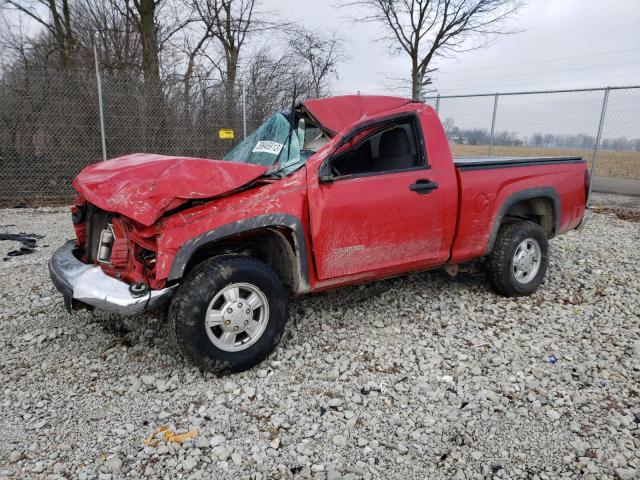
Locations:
{"points": [[28, 241], [622, 213], [169, 436]]}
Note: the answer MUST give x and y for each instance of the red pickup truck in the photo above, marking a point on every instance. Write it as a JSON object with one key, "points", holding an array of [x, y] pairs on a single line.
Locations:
{"points": [[338, 191]]}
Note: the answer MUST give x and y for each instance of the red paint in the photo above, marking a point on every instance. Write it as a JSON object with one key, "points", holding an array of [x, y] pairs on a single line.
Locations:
{"points": [[497, 184], [355, 230], [80, 228], [142, 186], [342, 113], [397, 227], [285, 196], [127, 255]]}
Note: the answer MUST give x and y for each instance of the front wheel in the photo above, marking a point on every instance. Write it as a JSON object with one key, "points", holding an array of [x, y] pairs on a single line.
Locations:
{"points": [[519, 259], [229, 313]]}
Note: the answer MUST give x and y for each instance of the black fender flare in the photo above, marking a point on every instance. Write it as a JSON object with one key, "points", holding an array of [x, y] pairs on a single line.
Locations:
{"points": [[278, 220], [517, 197]]}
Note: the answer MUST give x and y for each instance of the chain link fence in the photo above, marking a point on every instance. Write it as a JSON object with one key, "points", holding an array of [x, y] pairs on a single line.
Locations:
{"points": [[156, 118], [601, 124], [49, 129], [51, 125]]}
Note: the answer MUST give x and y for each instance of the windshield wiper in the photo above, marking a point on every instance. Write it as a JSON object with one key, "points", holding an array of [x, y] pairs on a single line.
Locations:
{"points": [[279, 172]]}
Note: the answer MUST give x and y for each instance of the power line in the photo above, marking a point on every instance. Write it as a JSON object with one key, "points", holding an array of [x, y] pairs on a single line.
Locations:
{"points": [[545, 82], [534, 62], [470, 79], [528, 74]]}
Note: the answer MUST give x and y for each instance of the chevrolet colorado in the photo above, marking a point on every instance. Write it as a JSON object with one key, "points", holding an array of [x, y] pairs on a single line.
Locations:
{"points": [[338, 191]]}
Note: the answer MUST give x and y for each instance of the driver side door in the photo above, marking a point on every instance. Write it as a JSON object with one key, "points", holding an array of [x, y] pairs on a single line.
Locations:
{"points": [[382, 209]]}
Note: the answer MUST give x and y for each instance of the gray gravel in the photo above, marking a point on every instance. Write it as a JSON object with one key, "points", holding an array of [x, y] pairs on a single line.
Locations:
{"points": [[416, 377]]}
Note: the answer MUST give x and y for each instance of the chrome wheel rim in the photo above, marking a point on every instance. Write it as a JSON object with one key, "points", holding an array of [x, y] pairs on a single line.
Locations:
{"points": [[527, 259], [237, 316]]}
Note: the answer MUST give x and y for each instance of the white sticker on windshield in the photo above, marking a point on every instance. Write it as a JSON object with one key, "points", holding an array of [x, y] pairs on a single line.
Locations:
{"points": [[265, 146]]}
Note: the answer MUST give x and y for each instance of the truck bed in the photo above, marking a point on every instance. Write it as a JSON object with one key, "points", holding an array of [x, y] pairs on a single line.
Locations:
{"points": [[489, 185], [480, 163]]}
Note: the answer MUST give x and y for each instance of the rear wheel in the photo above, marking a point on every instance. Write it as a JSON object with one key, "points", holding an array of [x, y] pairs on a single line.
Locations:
{"points": [[229, 313], [519, 259]]}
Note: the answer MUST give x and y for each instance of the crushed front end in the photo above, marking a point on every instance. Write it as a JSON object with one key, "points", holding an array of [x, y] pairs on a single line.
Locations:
{"points": [[110, 265]]}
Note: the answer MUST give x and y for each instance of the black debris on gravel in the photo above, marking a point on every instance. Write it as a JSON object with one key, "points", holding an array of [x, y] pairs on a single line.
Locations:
{"points": [[28, 240]]}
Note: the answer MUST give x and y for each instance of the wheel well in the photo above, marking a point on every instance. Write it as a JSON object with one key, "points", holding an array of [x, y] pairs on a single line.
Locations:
{"points": [[272, 246], [539, 210]]}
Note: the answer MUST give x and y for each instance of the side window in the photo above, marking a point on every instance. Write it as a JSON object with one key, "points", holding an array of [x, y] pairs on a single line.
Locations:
{"points": [[392, 147]]}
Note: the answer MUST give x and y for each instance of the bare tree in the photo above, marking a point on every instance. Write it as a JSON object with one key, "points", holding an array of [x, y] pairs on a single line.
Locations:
{"points": [[144, 14], [56, 18], [271, 80], [114, 34], [321, 55], [269, 85], [194, 46], [426, 29], [231, 23], [154, 29]]}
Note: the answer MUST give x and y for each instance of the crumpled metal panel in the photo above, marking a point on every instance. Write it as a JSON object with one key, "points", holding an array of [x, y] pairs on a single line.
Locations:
{"points": [[343, 112], [143, 186]]}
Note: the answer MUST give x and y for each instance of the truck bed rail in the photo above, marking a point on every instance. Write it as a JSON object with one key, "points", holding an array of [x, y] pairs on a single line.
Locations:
{"points": [[480, 163]]}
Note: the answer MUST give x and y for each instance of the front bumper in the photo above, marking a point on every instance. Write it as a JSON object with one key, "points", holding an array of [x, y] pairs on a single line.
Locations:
{"points": [[88, 284]]}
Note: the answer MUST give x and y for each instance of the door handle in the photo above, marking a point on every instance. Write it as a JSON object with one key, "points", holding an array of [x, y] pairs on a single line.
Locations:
{"points": [[422, 187]]}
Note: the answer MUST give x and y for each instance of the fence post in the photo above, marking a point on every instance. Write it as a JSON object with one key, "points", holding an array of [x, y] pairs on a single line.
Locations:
{"points": [[493, 123], [100, 107], [596, 147], [438, 104], [244, 112]]}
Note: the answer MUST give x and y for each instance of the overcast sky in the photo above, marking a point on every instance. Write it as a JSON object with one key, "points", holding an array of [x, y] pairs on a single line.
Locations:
{"points": [[565, 43], [562, 44]]}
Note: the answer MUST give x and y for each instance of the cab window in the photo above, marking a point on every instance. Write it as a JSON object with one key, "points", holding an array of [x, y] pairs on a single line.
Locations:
{"points": [[393, 146]]}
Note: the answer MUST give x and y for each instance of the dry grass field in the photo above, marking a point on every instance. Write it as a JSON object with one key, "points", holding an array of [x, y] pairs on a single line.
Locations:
{"points": [[610, 163]]}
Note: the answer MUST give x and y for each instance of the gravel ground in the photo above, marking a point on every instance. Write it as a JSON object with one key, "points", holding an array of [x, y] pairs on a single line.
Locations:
{"points": [[415, 377]]}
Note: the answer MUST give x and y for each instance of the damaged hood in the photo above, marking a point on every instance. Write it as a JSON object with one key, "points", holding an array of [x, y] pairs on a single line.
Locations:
{"points": [[144, 186]]}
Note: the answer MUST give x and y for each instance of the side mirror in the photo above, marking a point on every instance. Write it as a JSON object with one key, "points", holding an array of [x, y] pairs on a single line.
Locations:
{"points": [[324, 172], [326, 178]]}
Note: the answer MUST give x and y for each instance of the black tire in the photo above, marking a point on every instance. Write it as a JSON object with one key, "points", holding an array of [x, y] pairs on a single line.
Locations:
{"points": [[500, 265], [190, 303]]}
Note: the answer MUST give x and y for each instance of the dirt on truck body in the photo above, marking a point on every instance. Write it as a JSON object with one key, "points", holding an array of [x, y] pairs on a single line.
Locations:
{"points": [[338, 191]]}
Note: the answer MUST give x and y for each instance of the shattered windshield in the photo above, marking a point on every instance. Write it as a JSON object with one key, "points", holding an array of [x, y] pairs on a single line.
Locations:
{"points": [[269, 145]]}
